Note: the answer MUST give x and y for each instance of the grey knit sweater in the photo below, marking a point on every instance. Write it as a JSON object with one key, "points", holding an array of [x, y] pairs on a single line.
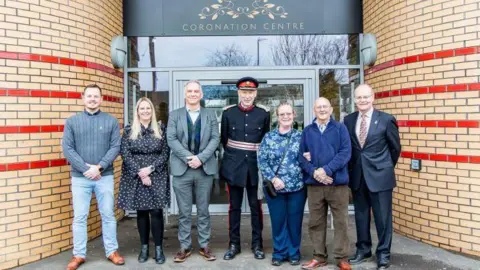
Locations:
{"points": [[93, 139]]}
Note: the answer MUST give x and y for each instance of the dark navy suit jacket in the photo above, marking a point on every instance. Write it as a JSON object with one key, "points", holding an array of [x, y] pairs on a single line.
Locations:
{"points": [[378, 157]]}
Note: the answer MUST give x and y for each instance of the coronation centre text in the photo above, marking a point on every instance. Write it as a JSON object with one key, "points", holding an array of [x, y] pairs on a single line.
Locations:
{"points": [[241, 27]]}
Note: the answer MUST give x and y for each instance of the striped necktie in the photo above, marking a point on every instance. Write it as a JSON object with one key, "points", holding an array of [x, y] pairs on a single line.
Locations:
{"points": [[363, 130]]}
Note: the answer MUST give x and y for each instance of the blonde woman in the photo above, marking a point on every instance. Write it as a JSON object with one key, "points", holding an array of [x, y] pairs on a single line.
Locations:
{"points": [[144, 184]]}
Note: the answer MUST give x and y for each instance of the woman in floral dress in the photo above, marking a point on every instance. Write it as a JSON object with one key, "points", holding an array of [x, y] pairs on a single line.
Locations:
{"points": [[144, 185]]}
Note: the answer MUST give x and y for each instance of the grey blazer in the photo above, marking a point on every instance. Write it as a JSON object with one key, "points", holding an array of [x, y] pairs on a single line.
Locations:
{"points": [[177, 139]]}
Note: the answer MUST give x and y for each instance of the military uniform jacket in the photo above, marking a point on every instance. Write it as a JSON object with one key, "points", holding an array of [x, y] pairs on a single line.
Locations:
{"points": [[242, 126]]}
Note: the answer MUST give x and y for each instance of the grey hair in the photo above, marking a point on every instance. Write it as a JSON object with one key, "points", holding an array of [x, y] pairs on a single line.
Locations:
{"points": [[195, 82], [284, 103]]}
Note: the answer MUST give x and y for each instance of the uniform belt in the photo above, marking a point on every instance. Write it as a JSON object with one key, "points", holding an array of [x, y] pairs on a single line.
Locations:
{"points": [[243, 145]]}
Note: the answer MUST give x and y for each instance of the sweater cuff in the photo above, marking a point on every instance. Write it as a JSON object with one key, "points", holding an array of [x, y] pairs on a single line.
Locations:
{"points": [[327, 170], [103, 164], [84, 168]]}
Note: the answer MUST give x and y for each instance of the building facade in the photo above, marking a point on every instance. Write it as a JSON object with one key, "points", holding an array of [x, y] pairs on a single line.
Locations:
{"points": [[49, 50], [426, 74]]}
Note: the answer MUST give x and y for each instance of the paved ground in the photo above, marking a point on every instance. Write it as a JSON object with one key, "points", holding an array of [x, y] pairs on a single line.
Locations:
{"points": [[406, 253]]}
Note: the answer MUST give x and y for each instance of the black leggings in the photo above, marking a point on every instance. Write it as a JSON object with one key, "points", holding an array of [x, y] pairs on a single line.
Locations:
{"points": [[143, 224]]}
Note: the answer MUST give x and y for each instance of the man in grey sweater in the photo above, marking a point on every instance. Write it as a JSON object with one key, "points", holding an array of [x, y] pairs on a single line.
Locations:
{"points": [[91, 142]]}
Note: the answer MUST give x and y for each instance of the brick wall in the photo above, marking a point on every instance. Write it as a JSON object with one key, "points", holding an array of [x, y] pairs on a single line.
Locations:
{"points": [[49, 50], [427, 74]]}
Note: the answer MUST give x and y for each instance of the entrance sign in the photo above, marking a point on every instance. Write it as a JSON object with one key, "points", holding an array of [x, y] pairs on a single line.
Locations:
{"points": [[241, 17]]}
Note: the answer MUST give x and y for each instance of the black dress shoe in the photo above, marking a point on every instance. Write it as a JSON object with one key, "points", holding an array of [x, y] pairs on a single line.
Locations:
{"points": [[383, 264], [294, 262], [231, 252], [143, 256], [159, 257], [359, 258], [276, 262], [258, 253]]}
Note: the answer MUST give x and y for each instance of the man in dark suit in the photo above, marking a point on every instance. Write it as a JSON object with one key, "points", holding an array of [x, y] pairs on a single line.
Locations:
{"points": [[375, 152], [243, 127]]}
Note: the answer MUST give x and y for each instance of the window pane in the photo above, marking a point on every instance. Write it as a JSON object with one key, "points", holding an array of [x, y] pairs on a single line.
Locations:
{"points": [[285, 50], [337, 85], [153, 85]]}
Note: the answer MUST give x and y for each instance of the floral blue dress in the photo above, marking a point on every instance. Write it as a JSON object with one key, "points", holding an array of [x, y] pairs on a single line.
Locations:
{"points": [[270, 154]]}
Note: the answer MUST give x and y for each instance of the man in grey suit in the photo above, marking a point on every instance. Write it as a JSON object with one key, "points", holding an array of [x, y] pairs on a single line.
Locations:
{"points": [[193, 137]]}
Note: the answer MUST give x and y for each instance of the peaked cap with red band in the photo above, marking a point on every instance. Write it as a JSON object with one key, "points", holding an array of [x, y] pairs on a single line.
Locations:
{"points": [[247, 83]]}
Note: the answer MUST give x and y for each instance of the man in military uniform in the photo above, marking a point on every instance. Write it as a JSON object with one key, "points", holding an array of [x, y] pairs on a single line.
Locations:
{"points": [[242, 130]]}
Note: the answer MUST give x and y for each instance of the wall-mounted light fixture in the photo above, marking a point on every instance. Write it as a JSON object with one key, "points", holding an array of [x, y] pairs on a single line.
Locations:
{"points": [[368, 49], [118, 51]]}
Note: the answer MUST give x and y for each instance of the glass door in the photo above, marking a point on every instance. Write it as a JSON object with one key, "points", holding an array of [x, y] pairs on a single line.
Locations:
{"points": [[297, 86]]}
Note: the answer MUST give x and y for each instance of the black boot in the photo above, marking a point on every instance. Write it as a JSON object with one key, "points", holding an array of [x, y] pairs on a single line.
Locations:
{"points": [[159, 257], [143, 256], [232, 251]]}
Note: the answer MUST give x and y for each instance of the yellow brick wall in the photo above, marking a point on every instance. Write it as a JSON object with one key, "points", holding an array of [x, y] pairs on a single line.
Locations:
{"points": [[439, 205], [35, 204]]}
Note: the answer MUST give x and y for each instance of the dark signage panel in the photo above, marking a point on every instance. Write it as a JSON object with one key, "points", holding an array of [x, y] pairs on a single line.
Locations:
{"points": [[240, 17]]}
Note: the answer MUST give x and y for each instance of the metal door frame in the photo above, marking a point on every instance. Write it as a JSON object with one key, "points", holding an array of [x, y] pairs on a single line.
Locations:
{"points": [[305, 76]]}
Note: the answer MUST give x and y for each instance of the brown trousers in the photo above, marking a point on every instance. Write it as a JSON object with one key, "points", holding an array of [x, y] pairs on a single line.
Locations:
{"points": [[319, 198]]}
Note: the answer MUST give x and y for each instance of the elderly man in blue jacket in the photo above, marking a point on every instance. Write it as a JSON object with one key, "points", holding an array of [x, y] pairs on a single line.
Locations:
{"points": [[324, 154]]}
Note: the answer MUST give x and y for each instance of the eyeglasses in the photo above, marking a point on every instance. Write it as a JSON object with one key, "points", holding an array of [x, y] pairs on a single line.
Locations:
{"points": [[362, 97], [285, 114]]}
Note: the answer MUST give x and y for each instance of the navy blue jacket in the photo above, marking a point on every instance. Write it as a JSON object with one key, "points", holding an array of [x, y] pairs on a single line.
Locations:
{"points": [[243, 126], [377, 159], [330, 151]]}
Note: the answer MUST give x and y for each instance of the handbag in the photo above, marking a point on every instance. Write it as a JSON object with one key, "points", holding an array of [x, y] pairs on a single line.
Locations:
{"points": [[267, 184]]}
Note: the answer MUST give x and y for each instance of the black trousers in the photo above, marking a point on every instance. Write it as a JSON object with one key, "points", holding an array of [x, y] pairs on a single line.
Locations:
{"points": [[144, 224], [235, 211], [381, 204]]}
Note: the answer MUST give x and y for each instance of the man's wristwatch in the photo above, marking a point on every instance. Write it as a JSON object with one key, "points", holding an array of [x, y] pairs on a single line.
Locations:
{"points": [[152, 168], [100, 168]]}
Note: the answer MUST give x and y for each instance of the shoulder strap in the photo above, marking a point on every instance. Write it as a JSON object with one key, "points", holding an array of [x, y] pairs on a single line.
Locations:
{"points": [[284, 154]]}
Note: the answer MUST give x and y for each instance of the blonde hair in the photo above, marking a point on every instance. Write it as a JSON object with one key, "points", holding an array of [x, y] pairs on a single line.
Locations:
{"points": [[136, 125]]}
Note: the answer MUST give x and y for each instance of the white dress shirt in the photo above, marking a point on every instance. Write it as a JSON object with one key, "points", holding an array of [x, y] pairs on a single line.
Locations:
{"points": [[368, 119], [193, 114]]}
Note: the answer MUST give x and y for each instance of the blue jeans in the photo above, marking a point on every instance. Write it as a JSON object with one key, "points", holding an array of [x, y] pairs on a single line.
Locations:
{"points": [[82, 189], [286, 215]]}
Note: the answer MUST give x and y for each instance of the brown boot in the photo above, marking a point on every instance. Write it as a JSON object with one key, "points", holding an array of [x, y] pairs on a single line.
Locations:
{"points": [[207, 254], [182, 255], [344, 265], [75, 262], [116, 259], [314, 264]]}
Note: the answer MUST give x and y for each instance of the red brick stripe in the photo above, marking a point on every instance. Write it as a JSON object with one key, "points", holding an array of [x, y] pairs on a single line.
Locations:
{"points": [[31, 129], [51, 93], [59, 60], [442, 157], [428, 90], [33, 165], [439, 123], [423, 57]]}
